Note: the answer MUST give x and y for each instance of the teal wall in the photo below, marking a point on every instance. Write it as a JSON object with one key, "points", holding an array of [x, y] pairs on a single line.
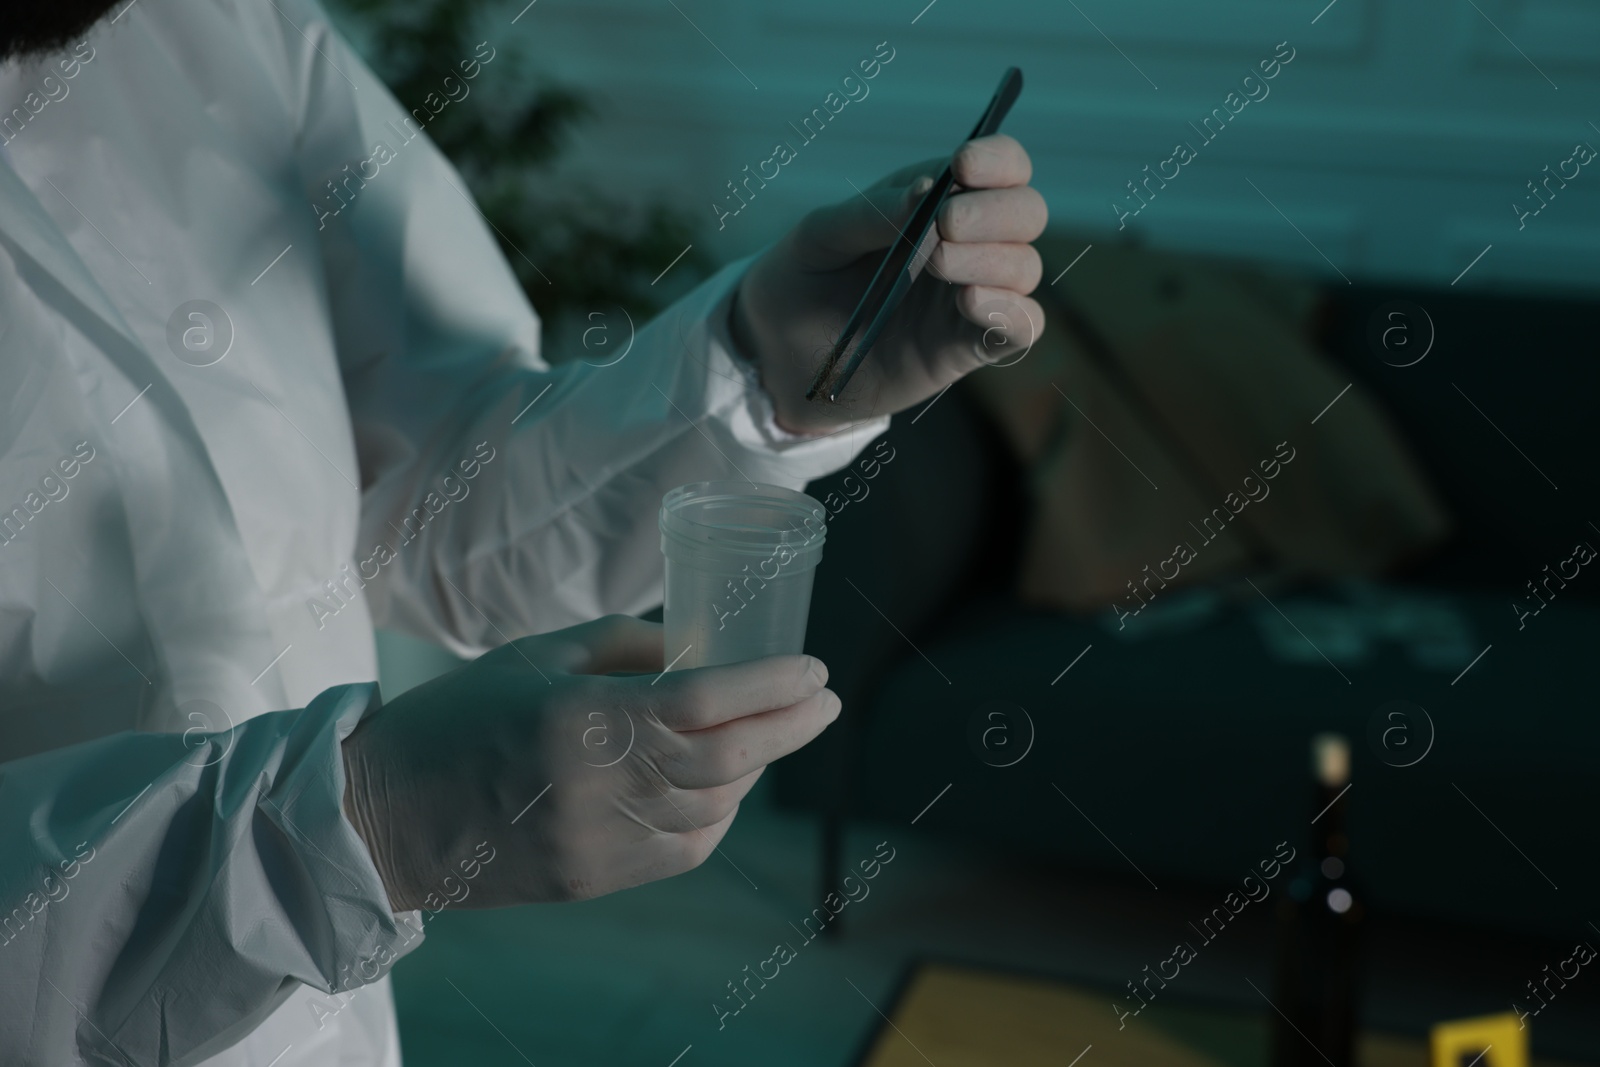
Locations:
{"points": [[1396, 140]]}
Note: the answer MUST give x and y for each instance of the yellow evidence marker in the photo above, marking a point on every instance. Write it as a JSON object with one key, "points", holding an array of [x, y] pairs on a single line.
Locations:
{"points": [[1484, 1041]]}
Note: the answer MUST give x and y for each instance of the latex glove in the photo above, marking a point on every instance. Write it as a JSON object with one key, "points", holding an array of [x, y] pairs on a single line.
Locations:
{"points": [[968, 308], [645, 772]]}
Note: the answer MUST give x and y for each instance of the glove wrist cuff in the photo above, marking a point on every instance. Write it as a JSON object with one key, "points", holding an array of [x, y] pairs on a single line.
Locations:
{"points": [[371, 830]]}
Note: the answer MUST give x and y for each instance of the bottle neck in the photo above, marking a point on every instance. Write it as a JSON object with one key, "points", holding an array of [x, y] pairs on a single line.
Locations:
{"points": [[1328, 836]]}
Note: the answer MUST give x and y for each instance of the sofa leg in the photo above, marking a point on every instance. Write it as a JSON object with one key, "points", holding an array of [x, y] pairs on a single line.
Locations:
{"points": [[832, 845]]}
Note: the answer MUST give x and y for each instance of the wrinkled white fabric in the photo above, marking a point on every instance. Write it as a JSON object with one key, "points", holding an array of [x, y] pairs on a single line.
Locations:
{"points": [[211, 561]]}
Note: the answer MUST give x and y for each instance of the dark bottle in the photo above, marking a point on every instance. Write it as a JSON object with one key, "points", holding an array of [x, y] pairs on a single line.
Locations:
{"points": [[1319, 927]]}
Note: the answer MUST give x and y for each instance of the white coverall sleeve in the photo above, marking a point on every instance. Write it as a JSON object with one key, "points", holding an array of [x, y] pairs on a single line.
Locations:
{"points": [[556, 523], [163, 893]]}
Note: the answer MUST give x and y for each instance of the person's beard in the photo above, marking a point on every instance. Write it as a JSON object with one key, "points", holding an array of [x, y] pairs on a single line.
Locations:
{"points": [[38, 27]]}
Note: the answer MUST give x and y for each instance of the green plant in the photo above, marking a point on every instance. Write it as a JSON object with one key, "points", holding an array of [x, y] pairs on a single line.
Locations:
{"points": [[575, 249]]}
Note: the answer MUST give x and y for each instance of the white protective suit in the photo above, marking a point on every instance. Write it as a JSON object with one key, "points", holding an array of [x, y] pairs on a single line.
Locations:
{"points": [[168, 529]]}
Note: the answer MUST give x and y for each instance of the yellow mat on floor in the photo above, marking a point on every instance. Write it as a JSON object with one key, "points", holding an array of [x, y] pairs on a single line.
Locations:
{"points": [[954, 1016]]}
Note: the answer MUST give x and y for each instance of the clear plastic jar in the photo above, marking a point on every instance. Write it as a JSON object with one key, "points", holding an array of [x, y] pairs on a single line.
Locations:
{"points": [[740, 558]]}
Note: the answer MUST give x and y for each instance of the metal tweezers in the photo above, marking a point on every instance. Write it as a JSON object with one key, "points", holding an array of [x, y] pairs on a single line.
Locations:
{"points": [[905, 259]]}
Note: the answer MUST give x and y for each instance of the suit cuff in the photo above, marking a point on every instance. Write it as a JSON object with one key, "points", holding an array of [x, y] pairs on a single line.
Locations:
{"points": [[306, 801]]}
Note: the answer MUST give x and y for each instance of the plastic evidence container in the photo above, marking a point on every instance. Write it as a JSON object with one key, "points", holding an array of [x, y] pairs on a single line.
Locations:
{"points": [[740, 558]]}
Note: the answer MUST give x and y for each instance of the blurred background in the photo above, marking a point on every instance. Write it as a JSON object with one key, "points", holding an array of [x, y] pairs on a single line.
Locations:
{"points": [[1378, 256]]}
